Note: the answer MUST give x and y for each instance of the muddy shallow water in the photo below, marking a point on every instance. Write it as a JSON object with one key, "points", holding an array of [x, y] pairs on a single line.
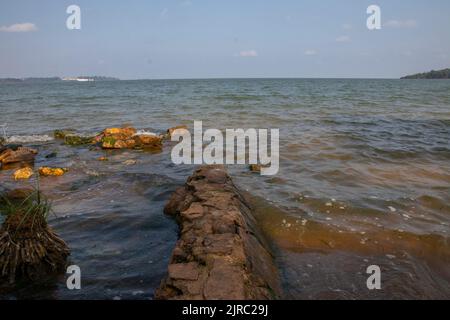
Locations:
{"points": [[364, 179]]}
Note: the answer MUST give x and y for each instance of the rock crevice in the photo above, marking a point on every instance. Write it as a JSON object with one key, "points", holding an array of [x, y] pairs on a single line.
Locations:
{"points": [[220, 253]]}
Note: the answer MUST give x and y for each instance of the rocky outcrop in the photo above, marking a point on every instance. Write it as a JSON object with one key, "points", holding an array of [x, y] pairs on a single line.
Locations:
{"points": [[13, 154], [220, 253], [56, 172], [170, 131], [127, 138]]}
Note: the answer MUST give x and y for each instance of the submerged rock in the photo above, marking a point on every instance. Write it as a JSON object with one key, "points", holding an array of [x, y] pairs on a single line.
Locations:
{"points": [[221, 254], [13, 154], [23, 174], [77, 140], [56, 172], [127, 138], [148, 141]]}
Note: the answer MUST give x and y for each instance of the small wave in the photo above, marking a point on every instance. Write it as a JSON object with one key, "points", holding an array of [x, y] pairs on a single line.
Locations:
{"points": [[145, 133], [29, 138]]}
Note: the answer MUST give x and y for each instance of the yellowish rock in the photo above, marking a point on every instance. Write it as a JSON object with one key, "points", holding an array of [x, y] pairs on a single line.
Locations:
{"points": [[47, 171], [23, 174]]}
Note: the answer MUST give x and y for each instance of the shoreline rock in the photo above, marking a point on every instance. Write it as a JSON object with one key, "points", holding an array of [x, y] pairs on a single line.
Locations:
{"points": [[220, 253]]}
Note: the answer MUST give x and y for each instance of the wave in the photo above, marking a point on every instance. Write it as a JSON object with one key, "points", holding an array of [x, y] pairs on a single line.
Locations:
{"points": [[29, 138]]}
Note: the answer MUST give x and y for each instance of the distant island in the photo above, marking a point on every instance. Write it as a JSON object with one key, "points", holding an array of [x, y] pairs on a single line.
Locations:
{"points": [[53, 79], [433, 74]]}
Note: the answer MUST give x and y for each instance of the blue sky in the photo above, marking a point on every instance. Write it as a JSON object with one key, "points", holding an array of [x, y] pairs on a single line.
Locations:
{"points": [[139, 39]]}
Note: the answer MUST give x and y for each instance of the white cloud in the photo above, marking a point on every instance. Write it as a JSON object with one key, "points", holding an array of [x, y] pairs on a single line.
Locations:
{"points": [[401, 23], [248, 53], [310, 52], [343, 39], [19, 27]]}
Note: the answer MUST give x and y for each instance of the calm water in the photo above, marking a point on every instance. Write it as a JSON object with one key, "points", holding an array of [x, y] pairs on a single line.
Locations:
{"points": [[364, 179]]}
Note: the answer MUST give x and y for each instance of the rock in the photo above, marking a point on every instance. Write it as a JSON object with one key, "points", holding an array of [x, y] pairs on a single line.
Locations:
{"points": [[171, 130], [148, 141], [129, 162], [51, 155], [2, 141], [103, 159], [61, 134], [21, 154], [220, 254], [24, 173], [77, 140], [56, 172], [127, 131], [255, 167]]}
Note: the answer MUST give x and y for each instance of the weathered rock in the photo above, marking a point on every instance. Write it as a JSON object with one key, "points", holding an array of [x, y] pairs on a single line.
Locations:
{"points": [[171, 130], [61, 134], [56, 172], [148, 141], [77, 140], [24, 173], [127, 138], [102, 159], [20, 154], [221, 254], [117, 138]]}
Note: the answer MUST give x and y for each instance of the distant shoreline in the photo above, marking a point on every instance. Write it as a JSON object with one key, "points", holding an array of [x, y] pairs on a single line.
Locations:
{"points": [[433, 74]]}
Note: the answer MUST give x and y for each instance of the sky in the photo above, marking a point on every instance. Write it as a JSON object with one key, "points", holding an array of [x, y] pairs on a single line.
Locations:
{"points": [[171, 39]]}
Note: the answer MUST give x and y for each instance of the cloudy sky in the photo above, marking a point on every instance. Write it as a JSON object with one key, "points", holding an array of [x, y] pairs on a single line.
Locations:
{"points": [[223, 38]]}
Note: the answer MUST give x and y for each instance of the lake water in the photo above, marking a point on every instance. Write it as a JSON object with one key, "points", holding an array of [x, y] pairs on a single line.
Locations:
{"points": [[364, 180]]}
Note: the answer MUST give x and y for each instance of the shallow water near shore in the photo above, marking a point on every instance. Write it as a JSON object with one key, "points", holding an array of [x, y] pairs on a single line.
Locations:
{"points": [[364, 179]]}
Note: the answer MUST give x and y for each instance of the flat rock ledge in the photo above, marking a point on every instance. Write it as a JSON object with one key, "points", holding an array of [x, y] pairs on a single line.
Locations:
{"points": [[220, 254]]}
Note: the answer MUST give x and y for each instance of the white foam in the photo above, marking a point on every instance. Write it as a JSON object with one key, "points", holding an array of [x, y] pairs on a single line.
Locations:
{"points": [[145, 133], [29, 138]]}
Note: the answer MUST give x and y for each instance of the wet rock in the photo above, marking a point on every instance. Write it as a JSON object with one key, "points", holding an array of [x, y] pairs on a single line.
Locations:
{"points": [[170, 131], [117, 138], [148, 141], [2, 141], [56, 172], [20, 154], [127, 138], [102, 159], [61, 134], [77, 140], [23, 174], [220, 254]]}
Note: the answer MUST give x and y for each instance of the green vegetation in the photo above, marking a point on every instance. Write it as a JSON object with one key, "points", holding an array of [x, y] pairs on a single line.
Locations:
{"points": [[433, 74], [29, 249]]}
